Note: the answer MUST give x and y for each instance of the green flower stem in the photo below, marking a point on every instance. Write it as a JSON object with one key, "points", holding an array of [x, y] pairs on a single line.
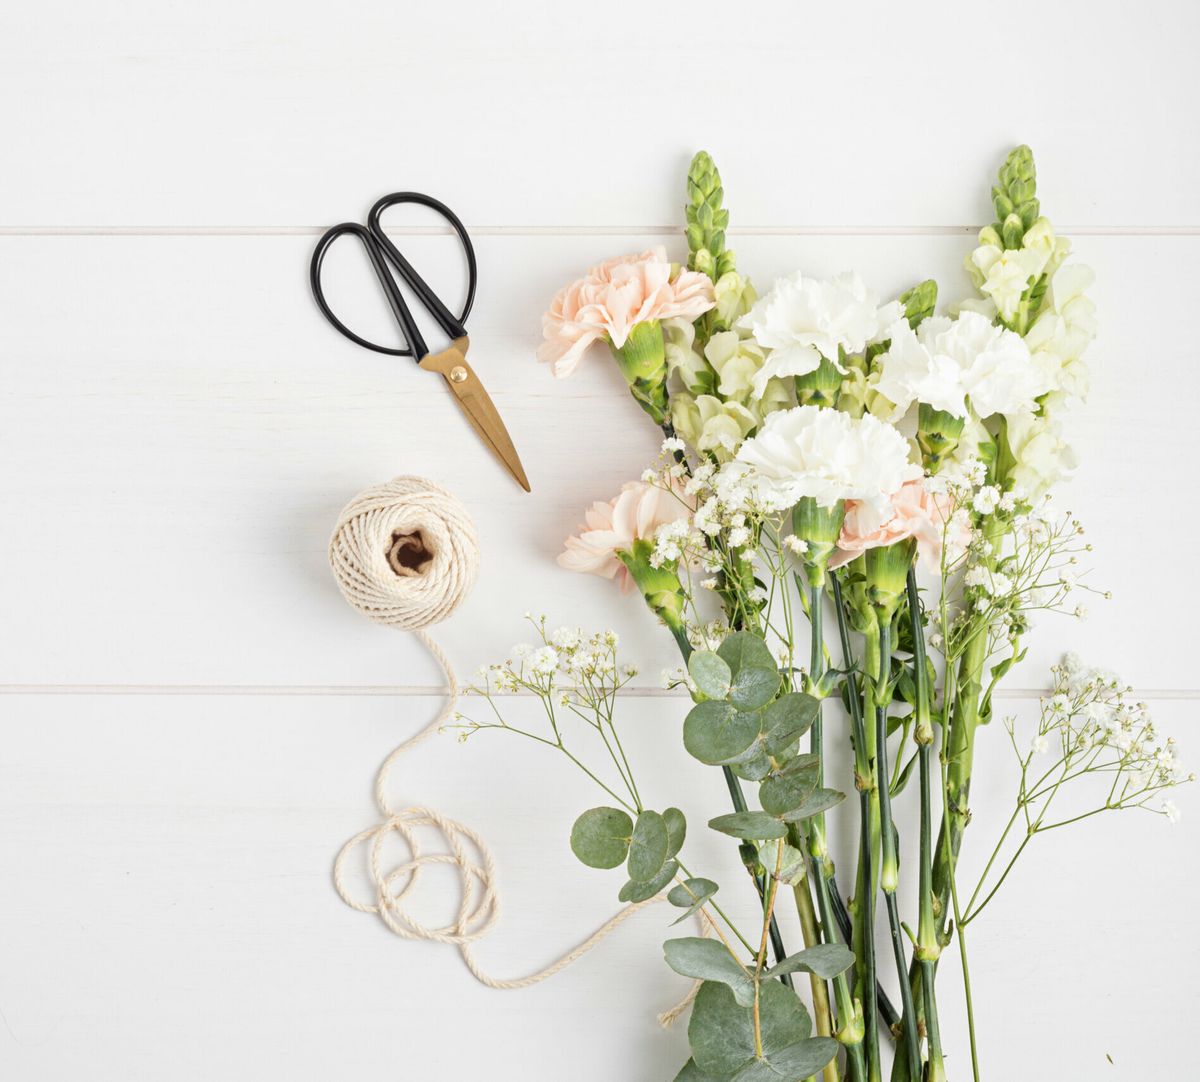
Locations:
{"points": [[890, 873], [850, 1016], [811, 931], [862, 938], [739, 804], [928, 947]]}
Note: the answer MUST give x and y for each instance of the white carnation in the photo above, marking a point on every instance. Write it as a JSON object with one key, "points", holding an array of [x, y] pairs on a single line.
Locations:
{"points": [[948, 363], [803, 319], [828, 455]]}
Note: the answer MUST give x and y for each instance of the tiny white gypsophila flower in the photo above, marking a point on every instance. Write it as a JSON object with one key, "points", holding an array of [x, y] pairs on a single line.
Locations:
{"points": [[522, 649], [759, 594], [795, 544], [986, 500], [543, 661], [672, 444], [1170, 810], [739, 537], [709, 584], [1040, 744]]}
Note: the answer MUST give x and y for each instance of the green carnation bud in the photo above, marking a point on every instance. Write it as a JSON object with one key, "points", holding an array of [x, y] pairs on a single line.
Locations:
{"points": [[821, 386], [659, 585], [643, 363], [938, 433], [886, 569], [819, 528]]}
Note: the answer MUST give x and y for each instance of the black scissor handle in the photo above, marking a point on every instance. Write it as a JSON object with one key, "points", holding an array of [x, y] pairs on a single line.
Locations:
{"points": [[380, 250]]}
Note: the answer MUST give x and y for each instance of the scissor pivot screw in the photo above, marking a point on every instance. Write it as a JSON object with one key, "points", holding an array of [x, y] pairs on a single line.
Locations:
{"points": [[458, 374]]}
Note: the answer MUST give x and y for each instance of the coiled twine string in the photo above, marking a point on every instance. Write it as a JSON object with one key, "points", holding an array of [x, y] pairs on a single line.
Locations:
{"points": [[405, 554]]}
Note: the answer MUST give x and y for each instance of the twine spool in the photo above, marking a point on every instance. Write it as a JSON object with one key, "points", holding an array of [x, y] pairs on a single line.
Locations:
{"points": [[405, 554]]}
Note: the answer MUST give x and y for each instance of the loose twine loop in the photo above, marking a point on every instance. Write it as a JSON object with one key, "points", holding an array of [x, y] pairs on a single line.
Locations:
{"points": [[405, 554]]}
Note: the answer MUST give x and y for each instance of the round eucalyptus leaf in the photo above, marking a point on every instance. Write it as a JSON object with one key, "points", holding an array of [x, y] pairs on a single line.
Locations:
{"points": [[821, 800], [749, 825], [648, 847], [798, 1061], [754, 768], [676, 830], [783, 792], [634, 891], [600, 837], [788, 718], [717, 732], [690, 895], [721, 1033], [710, 960], [745, 650], [752, 689], [711, 673], [825, 960], [692, 1073]]}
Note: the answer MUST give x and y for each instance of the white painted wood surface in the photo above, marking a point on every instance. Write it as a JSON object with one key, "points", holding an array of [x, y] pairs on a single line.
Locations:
{"points": [[193, 714]]}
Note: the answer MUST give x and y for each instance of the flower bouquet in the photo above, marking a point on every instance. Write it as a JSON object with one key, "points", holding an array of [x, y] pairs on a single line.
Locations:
{"points": [[846, 536]]}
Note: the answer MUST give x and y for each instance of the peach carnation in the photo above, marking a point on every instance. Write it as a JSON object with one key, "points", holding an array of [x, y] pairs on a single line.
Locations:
{"points": [[913, 512], [615, 296], [636, 514]]}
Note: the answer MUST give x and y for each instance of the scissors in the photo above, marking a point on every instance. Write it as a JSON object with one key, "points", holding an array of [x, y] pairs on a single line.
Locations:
{"points": [[451, 362]]}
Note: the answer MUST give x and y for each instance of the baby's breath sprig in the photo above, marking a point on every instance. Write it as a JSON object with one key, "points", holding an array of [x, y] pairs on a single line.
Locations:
{"points": [[1087, 729]]}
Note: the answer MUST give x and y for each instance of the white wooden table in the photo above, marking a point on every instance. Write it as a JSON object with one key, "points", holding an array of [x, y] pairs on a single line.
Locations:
{"points": [[191, 713]]}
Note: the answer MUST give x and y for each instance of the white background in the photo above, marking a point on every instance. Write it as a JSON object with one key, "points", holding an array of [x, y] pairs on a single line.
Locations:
{"points": [[192, 715]]}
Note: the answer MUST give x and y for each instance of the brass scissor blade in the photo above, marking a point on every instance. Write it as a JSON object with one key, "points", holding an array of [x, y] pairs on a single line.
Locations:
{"points": [[477, 404]]}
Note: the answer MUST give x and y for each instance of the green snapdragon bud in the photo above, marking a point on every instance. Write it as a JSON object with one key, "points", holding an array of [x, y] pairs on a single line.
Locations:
{"points": [[643, 363], [886, 569], [707, 219], [819, 528], [1015, 196], [821, 386], [659, 585], [919, 302], [938, 433]]}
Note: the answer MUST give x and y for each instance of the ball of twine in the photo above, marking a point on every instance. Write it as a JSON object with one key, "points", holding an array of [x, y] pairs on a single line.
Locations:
{"points": [[405, 553]]}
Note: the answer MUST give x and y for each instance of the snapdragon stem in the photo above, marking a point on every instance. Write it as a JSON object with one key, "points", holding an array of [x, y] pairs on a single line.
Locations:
{"points": [[890, 871], [739, 804]]}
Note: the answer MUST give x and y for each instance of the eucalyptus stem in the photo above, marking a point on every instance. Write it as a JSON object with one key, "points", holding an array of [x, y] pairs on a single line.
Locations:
{"points": [[889, 878], [738, 799]]}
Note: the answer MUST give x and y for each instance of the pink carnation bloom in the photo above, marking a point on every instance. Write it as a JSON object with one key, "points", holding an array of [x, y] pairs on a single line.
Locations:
{"points": [[913, 512], [636, 514], [615, 296]]}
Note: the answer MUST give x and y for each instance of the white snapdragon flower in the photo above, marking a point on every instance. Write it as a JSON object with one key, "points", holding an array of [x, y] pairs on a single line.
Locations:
{"points": [[950, 363], [1042, 456], [736, 361], [1064, 330], [683, 359], [1004, 274], [803, 319], [828, 455], [709, 424]]}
